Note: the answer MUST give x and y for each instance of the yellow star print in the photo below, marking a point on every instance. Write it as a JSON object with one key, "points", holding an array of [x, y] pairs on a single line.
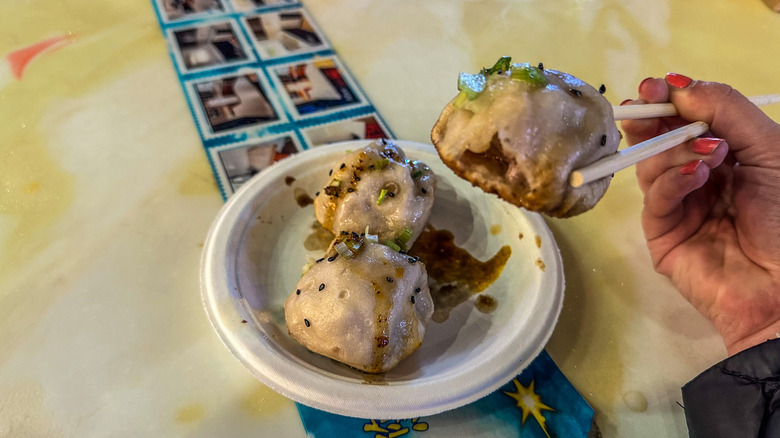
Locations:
{"points": [[530, 403]]}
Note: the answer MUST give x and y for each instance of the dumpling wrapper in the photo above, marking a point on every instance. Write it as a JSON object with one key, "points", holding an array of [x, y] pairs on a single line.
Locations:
{"points": [[351, 200], [522, 139], [368, 311]]}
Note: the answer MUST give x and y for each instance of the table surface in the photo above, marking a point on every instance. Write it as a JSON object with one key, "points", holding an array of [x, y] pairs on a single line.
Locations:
{"points": [[106, 196]]}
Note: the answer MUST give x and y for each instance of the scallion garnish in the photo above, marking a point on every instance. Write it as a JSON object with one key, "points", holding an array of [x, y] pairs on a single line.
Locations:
{"points": [[502, 64], [381, 164], [471, 84], [392, 245], [528, 73], [343, 249], [405, 235], [381, 198], [335, 183]]}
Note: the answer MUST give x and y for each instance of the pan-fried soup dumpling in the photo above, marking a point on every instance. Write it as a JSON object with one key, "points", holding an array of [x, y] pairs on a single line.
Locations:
{"points": [[377, 187], [519, 131], [364, 304]]}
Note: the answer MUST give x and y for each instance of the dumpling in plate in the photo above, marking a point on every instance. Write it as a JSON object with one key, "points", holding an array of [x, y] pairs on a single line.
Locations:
{"points": [[519, 131], [364, 304], [377, 187]]}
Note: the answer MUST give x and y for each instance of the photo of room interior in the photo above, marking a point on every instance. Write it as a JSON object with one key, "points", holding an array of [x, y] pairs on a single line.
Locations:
{"points": [[235, 101], [209, 45], [175, 9], [282, 33], [242, 163], [316, 86], [345, 130]]}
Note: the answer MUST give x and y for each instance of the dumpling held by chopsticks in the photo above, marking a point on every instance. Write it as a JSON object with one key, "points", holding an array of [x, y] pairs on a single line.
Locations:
{"points": [[519, 130]]}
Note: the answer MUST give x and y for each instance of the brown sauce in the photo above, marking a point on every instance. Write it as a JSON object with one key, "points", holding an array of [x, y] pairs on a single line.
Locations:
{"points": [[486, 303], [454, 274], [319, 239], [302, 198]]}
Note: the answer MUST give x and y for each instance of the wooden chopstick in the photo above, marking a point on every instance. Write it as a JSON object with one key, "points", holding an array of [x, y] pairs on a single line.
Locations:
{"points": [[652, 110], [636, 153]]}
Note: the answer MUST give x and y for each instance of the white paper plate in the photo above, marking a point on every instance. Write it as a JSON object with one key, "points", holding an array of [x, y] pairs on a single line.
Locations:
{"points": [[253, 257]]}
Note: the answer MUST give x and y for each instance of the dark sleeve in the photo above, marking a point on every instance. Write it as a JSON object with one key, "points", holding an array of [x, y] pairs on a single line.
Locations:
{"points": [[739, 397]]}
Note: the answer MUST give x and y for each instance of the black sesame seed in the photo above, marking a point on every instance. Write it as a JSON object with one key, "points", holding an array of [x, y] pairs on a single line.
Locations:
{"points": [[391, 194], [423, 191], [603, 140], [390, 280], [602, 89], [412, 299], [306, 321], [541, 66], [330, 172], [350, 190], [417, 291], [575, 92], [344, 233], [357, 178], [342, 166], [297, 292], [412, 260], [322, 286], [319, 260], [331, 258], [316, 194]]}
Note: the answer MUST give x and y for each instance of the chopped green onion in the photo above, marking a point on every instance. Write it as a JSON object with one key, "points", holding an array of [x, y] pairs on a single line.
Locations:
{"points": [[417, 174], [354, 245], [392, 245], [471, 84], [405, 235], [502, 64], [382, 195], [528, 73], [343, 250], [381, 164], [460, 99]]}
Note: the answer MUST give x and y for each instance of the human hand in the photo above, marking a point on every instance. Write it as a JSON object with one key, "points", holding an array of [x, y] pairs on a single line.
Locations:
{"points": [[711, 212]]}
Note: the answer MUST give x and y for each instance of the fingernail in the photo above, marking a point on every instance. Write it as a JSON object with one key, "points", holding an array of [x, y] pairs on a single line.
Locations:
{"points": [[677, 80], [691, 167], [641, 84], [705, 146], [625, 102]]}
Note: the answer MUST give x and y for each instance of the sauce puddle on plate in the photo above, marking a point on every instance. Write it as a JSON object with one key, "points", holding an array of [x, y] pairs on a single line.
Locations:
{"points": [[454, 274]]}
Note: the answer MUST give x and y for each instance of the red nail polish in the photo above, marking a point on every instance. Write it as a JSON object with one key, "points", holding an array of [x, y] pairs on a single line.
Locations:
{"points": [[690, 167], [677, 80], [705, 146], [625, 102]]}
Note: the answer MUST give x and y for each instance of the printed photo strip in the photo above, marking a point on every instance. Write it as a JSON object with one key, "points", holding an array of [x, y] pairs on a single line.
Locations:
{"points": [[248, 5], [233, 102], [358, 128], [316, 87], [173, 10], [210, 45], [236, 164], [284, 33]]}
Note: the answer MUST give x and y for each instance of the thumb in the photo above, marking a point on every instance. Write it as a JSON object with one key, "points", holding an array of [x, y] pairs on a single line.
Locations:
{"points": [[752, 135]]}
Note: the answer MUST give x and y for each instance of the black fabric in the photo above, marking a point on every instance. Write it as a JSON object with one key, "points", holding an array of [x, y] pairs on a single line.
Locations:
{"points": [[739, 397]]}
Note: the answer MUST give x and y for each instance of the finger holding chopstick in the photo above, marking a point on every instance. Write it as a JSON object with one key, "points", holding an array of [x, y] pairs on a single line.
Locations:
{"points": [[652, 110]]}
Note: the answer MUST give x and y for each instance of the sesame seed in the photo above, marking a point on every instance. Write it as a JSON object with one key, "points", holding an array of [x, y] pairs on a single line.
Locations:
{"points": [[342, 166], [541, 66], [319, 260], [413, 260], [316, 194], [306, 321], [330, 172], [412, 299], [390, 280], [417, 291], [603, 140], [322, 286], [331, 258], [602, 89], [357, 178], [298, 292], [575, 92], [423, 191], [350, 190], [391, 194]]}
